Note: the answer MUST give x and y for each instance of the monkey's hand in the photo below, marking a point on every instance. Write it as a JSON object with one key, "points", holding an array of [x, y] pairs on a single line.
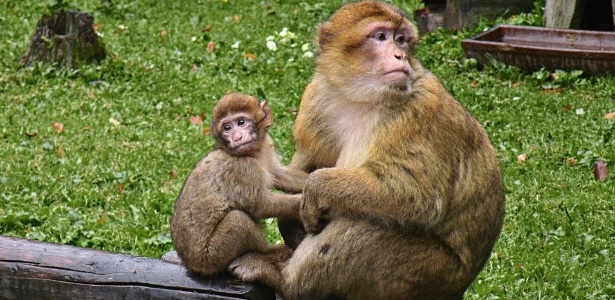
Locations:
{"points": [[313, 210]]}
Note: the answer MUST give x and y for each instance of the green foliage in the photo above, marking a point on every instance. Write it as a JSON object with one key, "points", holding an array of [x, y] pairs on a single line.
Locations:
{"points": [[107, 177]]}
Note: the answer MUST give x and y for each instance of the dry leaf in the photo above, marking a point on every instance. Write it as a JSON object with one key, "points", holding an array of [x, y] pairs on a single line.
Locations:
{"points": [[211, 47], [206, 130], [163, 33], [522, 157], [60, 151], [567, 108], [610, 116], [601, 170], [120, 189], [173, 173], [96, 26], [31, 134], [236, 18], [250, 56], [59, 127], [571, 161], [195, 120]]}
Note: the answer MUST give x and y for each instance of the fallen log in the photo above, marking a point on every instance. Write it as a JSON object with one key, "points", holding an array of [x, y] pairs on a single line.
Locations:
{"points": [[37, 270]]}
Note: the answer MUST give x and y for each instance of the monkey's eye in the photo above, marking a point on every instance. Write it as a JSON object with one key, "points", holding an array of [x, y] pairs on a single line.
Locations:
{"points": [[400, 39], [380, 36], [226, 127], [241, 122]]}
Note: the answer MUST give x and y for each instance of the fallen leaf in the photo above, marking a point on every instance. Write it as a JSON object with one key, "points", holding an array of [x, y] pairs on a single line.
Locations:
{"points": [[522, 157], [610, 116], [206, 130], [601, 170], [195, 120], [571, 161], [211, 47], [194, 67], [567, 108], [250, 56], [120, 189], [163, 33], [173, 173], [236, 18], [60, 151], [31, 134], [96, 26], [59, 127]]}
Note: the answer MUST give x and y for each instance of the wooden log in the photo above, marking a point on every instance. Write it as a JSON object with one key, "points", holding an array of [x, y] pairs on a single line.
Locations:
{"points": [[37, 270]]}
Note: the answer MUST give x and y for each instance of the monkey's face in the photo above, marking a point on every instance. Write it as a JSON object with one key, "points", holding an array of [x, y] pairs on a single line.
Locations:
{"points": [[385, 49], [365, 48], [239, 133]]}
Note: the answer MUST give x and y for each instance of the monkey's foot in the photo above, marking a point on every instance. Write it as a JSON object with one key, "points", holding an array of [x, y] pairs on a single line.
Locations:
{"points": [[172, 257], [252, 267]]}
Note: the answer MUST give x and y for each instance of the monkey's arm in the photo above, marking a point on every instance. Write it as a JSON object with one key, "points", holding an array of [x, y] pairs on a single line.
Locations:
{"points": [[278, 206], [393, 196], [289, 180]]}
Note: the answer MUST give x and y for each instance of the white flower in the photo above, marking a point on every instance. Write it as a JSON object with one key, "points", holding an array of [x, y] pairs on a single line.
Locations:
{"points": [[270, 38], [308, 54], [272, 46], [113, 121], [235, 46], [305, 47], [284, 32]]}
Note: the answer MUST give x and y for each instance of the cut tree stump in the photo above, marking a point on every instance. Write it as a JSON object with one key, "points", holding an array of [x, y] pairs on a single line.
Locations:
{"points": [[580, 14], [37, 270], [67, 38]]}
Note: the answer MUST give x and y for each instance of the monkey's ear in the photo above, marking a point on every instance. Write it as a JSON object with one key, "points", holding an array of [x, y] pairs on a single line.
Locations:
{"points": [[267, 111]]}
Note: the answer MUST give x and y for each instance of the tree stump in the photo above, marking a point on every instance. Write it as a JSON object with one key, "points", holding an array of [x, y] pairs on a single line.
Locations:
{"points": [[581, 14], [65, 37]]}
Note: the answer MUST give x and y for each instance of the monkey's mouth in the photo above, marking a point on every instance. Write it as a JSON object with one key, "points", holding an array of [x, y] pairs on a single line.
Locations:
{"points": [[397, 79], [242, 147]]}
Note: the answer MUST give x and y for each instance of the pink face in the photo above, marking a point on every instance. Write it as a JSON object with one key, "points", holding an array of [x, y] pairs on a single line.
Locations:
{"points": [[240, 132], [387, 46]]}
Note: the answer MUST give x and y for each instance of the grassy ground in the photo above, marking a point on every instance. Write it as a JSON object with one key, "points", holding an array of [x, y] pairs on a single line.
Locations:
{"points": [[126, 133]]}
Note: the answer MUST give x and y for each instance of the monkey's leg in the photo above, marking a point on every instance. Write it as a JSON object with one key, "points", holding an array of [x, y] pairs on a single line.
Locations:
{"points": [[354, 259], [292, 231], [235, 235]]}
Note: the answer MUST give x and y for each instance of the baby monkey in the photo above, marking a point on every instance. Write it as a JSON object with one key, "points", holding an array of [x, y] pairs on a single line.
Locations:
{"points": [[215, 215]]}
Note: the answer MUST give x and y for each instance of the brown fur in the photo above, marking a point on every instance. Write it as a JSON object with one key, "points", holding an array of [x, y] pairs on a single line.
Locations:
{"points": [[406, 200], [215, 217]]}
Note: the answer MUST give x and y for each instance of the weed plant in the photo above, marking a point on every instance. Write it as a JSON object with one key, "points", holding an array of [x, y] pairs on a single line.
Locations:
{"points": [[95, 157]]}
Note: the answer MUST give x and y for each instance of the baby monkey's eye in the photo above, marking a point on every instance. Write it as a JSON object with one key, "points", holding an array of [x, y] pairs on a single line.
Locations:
{"points": [[241, 122], [226, 127]]}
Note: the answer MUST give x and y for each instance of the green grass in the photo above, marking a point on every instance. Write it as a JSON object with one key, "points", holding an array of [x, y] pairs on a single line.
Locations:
{"points": [[110, 178]]}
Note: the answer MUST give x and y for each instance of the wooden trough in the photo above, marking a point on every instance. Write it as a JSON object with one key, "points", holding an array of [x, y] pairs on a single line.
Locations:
{"points": [[532, 48], [37, 270]]}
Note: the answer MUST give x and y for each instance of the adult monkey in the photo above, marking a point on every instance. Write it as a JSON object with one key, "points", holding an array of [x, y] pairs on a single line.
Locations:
{"points": [[406, 198]]}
